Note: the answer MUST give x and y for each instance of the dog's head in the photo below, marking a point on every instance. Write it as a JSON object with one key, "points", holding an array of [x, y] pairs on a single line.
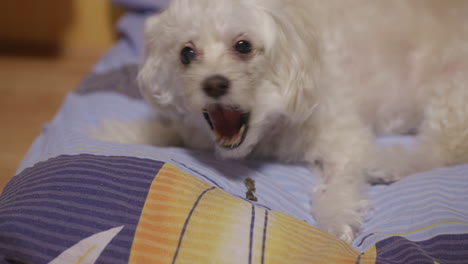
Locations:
{"points": [[243, 65]]}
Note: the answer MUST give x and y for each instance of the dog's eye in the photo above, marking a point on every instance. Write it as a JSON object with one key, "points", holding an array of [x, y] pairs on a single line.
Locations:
{"points": [[243, 47], [187, 55]]}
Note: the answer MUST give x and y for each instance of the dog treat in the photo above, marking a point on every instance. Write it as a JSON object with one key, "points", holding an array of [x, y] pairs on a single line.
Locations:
{"points": [[250, 185]]}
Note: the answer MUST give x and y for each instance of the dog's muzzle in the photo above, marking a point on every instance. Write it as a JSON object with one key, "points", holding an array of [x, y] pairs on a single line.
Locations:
{"points": [[229, 124]]}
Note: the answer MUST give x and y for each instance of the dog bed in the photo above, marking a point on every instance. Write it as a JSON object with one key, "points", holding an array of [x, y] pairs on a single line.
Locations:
{"points": [[79, 200]]}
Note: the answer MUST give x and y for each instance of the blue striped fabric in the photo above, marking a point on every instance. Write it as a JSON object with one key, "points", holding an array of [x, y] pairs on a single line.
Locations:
{"points": [[445, 249], [419, 207], [434, 199], [53, 205]]}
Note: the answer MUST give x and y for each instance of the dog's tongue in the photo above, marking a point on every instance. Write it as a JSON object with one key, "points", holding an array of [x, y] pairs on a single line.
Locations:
{"points": [[225, 121]]}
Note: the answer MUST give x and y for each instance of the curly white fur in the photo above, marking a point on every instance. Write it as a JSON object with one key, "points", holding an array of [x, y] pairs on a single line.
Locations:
{"points": [[324, 78]]}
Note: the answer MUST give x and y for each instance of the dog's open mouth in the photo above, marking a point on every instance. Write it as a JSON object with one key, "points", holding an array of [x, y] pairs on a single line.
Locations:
{"points": [[229, 124]]}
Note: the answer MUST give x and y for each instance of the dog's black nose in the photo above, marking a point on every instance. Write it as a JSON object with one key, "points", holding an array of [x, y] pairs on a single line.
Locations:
{"points": [[216, 86]]}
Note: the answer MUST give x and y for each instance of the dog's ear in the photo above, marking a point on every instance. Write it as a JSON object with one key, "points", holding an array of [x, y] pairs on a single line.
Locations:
{"points": [[294, 64], [157, 77]]}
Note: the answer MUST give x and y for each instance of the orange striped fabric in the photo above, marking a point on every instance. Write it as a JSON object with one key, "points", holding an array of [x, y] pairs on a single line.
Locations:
{"points": [[185, 220]]}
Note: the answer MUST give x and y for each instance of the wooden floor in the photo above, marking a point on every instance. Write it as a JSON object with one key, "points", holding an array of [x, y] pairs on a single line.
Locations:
{"points": [[31, 91]]}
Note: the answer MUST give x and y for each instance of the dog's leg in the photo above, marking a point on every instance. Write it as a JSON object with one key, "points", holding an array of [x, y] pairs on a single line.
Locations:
{"points": [[144, 132], [341, 150], [388, 164], [442, 141], [444, 133]]}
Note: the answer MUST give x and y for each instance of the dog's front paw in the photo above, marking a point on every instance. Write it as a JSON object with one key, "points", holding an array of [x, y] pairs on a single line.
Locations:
{"points": [[390, 164], [345, 232], [381, 176], [338, 213], [343, 225]]}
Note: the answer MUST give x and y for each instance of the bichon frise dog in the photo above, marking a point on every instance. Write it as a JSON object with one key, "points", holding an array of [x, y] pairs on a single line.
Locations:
{"points": [[313, 81]]}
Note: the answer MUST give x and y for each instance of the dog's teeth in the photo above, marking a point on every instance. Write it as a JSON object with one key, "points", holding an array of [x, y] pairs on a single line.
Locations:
{"points": [[230, 142], [237, 139], [241, 130], [233, 144]]}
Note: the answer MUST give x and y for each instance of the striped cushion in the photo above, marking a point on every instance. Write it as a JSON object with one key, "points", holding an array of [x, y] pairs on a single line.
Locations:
{"points": [[117, 209]]}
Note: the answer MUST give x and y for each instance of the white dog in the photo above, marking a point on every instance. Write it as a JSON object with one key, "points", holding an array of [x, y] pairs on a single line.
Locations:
{"points": [[314, 81]]}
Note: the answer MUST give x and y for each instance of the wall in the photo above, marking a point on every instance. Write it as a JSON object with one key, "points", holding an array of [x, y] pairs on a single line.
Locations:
{"points": [[59, 26], [46, 47]]}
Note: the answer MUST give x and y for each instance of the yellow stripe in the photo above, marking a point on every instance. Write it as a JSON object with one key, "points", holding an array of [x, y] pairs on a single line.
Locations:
{"points": [[219, 229], [287, 244], [369, 257], [172, 194]]}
